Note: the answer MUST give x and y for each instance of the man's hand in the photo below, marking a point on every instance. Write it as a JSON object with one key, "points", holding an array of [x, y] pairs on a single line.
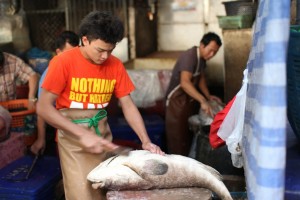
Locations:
{"points": [[152, 148], [215, 98], [207, 109], [92, 143], [38, 147], [32, 103]]}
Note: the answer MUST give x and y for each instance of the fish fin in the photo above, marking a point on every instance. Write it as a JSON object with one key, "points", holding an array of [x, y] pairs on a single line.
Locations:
{"points": [[149, 167]]}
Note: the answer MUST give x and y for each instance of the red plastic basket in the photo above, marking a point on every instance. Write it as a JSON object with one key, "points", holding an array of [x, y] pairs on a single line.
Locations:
{"points": [[19, 110]]}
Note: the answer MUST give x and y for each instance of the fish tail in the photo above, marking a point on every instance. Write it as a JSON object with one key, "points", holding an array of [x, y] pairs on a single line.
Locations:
{"points": [[214, 172]]}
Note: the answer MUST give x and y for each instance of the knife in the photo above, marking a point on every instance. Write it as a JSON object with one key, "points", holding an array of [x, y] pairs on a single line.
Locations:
{"points": [[32, 166], [121, 150]]}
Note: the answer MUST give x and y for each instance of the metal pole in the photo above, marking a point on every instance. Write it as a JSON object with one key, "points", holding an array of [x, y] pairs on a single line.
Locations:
{"points": [[67, 21]]}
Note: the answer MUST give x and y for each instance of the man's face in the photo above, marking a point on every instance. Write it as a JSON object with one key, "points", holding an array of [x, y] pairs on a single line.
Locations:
{"points": [[96, 51], [209, 51]]}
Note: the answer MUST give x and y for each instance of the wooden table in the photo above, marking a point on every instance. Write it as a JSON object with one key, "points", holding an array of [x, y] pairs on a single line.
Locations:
{"points": [[162, 194]]}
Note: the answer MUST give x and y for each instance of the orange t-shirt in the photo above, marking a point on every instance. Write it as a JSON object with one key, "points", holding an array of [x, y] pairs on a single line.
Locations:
{"points": [[83, 85]]}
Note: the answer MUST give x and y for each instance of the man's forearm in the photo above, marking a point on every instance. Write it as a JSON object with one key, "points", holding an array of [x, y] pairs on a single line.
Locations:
{"points": [[190, 89], [32, 84]]}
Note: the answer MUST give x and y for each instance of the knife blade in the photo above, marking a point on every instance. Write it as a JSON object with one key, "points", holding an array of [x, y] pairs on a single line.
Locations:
{"points": [[121, 150], [32, 166]]}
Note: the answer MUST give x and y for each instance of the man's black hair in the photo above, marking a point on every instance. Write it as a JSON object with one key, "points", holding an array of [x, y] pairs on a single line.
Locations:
{"points": [[211, 36], [101, 25], [66, 36]]}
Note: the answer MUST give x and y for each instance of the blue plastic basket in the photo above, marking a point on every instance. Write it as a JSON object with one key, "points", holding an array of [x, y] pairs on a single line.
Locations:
{"points": [[39, 186], [154, 124], [293, 80]]}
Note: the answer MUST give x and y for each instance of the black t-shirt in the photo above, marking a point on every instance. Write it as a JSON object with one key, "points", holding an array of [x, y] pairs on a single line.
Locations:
{"points": [[186, 62]]}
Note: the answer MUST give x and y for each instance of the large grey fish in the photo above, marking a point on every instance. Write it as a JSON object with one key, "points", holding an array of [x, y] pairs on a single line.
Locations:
{"points": [[142, 170]]}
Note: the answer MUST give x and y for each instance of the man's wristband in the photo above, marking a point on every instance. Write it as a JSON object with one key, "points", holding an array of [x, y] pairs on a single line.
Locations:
{"points": [[32, 99]]}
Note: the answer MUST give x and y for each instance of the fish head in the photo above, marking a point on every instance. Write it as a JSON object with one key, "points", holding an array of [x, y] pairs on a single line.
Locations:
{"points": [[114, 177]]}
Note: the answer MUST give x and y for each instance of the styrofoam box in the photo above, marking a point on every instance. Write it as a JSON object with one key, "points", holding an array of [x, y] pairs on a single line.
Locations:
{"points": [[39, 186]]}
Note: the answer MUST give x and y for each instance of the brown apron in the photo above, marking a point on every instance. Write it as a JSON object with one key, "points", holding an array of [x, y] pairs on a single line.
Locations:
{"points": [[75, 162], [179, 107]]}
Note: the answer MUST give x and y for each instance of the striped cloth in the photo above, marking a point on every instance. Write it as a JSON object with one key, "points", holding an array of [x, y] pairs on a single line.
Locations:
{"points": [[264, 136]]}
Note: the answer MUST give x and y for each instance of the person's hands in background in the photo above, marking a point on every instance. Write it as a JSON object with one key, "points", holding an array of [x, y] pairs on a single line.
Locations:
{"points": [[215, 98], [38, 147], [207, 109], [32, 103]]}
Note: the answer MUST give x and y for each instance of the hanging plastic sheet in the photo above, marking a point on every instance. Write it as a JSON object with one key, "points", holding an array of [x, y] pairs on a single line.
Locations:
{"points": [[231, 130], [148, 88]]}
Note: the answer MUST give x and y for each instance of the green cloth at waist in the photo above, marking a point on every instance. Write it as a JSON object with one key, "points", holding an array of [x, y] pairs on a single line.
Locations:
{"points": [[93, 121]]}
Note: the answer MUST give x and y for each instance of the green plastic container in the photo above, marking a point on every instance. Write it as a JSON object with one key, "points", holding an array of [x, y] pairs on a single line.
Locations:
{"points": [[236, 21]]}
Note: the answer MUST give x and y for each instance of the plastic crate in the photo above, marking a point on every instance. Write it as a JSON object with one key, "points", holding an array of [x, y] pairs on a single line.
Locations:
{"points": [[234, 195], [154, 124], [235, 22], [18, 110], [292, 175], [40, 184], [233, 7], [293, 80]]}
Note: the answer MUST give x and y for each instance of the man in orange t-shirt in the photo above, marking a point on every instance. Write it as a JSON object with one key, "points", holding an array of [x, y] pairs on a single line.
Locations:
{"points": [[82, 82]]}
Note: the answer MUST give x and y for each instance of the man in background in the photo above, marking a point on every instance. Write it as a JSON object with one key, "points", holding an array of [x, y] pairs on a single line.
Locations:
{"points": [[13, 68], [65, 41], [188, 89]]}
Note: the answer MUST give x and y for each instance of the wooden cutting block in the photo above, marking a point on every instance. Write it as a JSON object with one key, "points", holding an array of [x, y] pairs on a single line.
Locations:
{"points": [[162, 194]]}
